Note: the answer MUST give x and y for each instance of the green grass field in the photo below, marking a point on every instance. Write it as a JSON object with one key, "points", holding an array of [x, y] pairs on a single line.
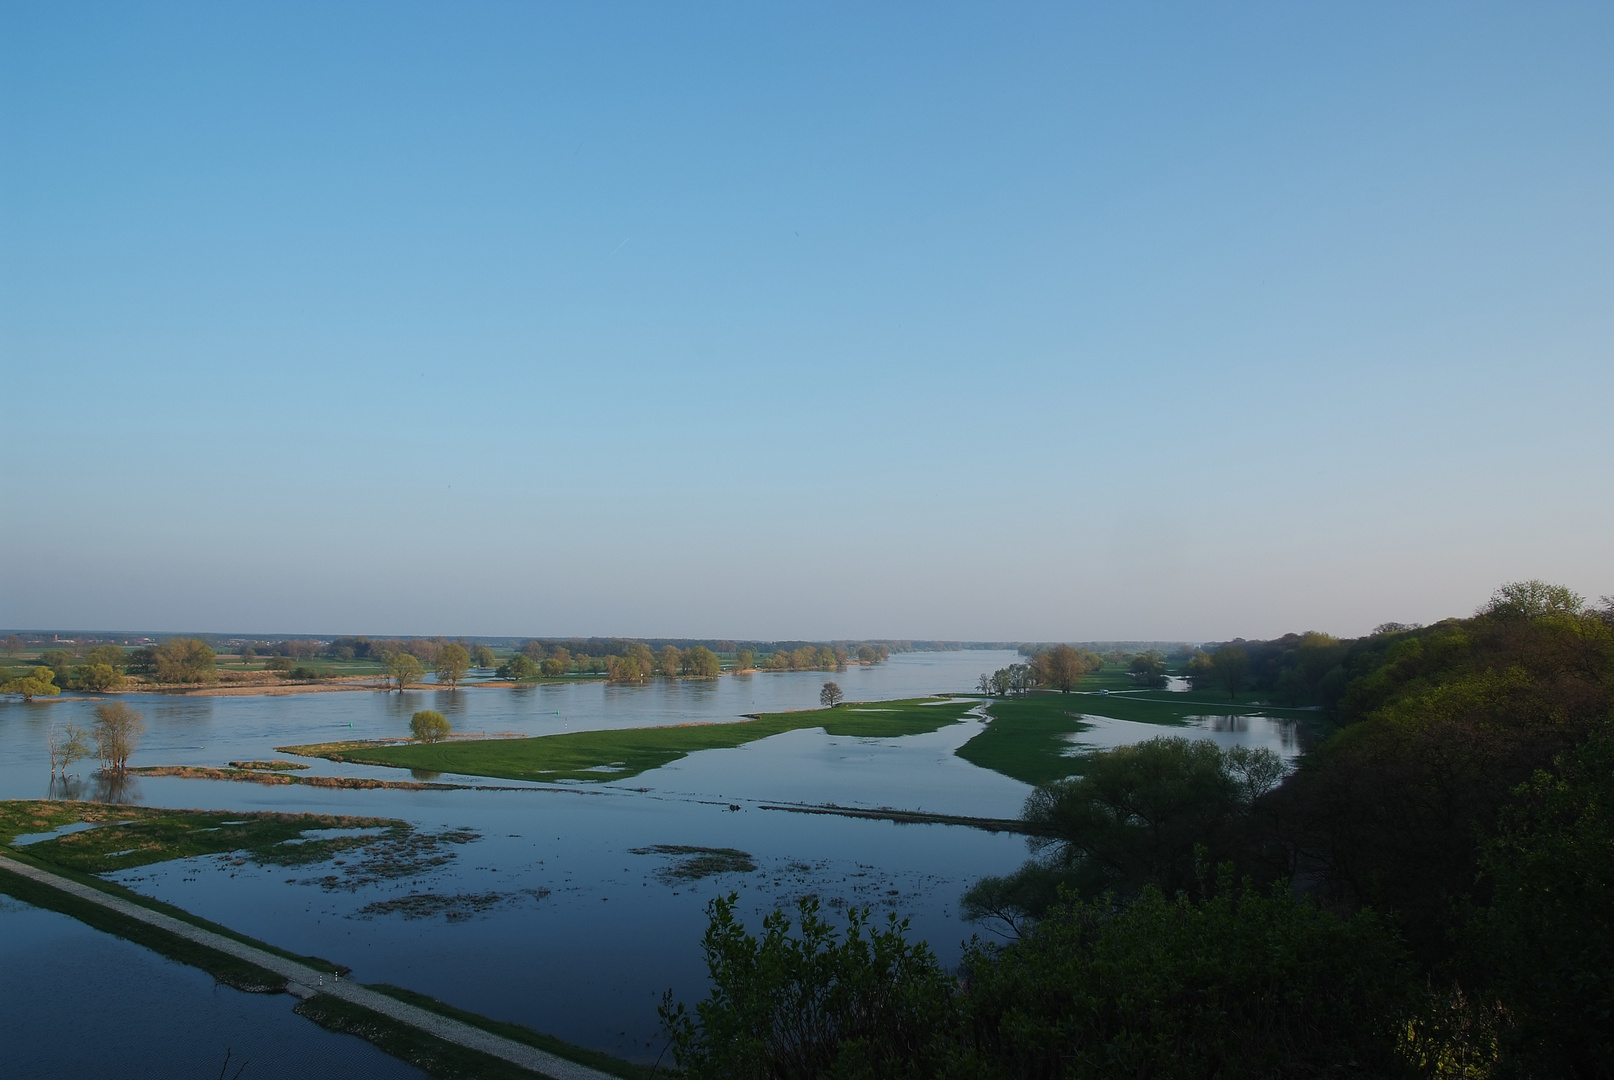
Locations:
{"points": [[1027, 738], [616, 755]]}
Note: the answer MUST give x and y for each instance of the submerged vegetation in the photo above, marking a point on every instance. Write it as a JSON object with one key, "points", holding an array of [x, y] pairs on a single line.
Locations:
{"points": [[130, 836], [626, 752], [694, 863]]}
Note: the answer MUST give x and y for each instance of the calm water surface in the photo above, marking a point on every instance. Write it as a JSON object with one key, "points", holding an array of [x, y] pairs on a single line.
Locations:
{"points": [[560, 914]]}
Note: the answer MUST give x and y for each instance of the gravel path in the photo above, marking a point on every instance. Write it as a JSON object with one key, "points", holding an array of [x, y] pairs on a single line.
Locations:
{"points": [[304, 981]]}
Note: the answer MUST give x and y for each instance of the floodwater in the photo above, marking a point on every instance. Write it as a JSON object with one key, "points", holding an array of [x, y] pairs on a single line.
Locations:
{"points": [[565, 912], [83, 1003]]}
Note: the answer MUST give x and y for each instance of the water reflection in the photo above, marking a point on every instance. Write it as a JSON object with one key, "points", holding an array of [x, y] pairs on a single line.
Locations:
{"points": [[1285, 731], [67, 787], [1283, 736], [119, 789]]}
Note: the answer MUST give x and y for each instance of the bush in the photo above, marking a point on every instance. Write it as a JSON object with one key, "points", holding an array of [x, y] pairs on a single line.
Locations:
{"points": [[1545, 942], [429, 725], [96, 678], [1240, 984], [817, 1004]]}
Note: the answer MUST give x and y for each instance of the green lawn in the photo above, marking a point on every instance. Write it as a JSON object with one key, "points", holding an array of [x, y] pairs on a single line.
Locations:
{"points": [[1027, 736], [616, 755]]}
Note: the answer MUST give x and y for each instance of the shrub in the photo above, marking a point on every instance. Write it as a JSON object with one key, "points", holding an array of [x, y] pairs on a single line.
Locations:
{"points": [[816, 1004], [429, 725]]}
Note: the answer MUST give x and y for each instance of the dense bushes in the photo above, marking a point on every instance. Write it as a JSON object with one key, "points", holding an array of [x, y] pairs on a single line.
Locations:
{"points": [[1240, 984]]}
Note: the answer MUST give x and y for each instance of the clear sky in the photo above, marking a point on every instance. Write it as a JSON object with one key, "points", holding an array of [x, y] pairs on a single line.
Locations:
{"points": [[987, 321]]}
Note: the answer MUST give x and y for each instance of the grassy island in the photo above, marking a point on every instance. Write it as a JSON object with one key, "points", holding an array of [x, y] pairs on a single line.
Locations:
{"points": [[623, 753], [1028, 736]]}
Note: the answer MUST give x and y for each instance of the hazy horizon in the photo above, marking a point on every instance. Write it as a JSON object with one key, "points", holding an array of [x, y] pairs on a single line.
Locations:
{"points": [[809, 322]]}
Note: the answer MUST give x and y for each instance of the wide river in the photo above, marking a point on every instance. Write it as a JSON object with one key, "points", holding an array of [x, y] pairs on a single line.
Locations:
{"points": [[560, 914]]}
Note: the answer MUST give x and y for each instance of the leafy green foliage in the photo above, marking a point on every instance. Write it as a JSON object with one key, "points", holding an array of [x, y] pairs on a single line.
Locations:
{"points": [[1239, 984], [816, 1003], [96, 678], [1139, 815], [453, 661], [41, 682], [429, 726], [1443, 725], [519, 667], [1148, 670], [403, 668], [183, 660], [1545, 940]]}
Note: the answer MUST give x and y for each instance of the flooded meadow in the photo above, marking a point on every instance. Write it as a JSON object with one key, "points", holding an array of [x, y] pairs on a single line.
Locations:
{"points": [[567, 907]]}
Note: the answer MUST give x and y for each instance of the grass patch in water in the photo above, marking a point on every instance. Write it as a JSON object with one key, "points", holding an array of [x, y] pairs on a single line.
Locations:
{"points": [[1027, 737], [459, 907], [138, 836], [627, 752], [698, 862], [269, 766]]}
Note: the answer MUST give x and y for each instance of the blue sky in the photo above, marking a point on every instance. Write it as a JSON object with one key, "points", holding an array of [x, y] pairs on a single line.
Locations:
{"points": [[974, 321]]}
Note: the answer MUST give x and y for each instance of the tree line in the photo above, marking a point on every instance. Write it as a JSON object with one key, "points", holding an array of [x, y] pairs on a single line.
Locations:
{"points": [[1426, 893], [1060, 667]]}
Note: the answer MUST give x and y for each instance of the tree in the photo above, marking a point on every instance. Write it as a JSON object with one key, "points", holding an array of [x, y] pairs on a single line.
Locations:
{"points": [[452, 663], [117, 732], [702, 663], [41, 682], [830, 696], [12, 644], [67, 745], [1545, 940], [535, 651], [745, 660], [1533, 600], [866, 654], [96, 678], [1061, 667], [1135, 816], [404, 669], [110, 655], [1148, 669], [184, 660], [867, 1003], [1231, 664], [984, 683], [482, 656], [518, 667], [429, 726], [554, 667], [640, 660], [669, 660]]}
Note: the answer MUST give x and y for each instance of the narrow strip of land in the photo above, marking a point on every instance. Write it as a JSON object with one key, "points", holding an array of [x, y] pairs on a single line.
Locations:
{"points": [[622, 753], [304, 981]]}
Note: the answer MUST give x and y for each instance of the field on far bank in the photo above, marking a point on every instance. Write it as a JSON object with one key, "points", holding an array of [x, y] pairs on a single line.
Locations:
{"points": [[627, 752]]}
